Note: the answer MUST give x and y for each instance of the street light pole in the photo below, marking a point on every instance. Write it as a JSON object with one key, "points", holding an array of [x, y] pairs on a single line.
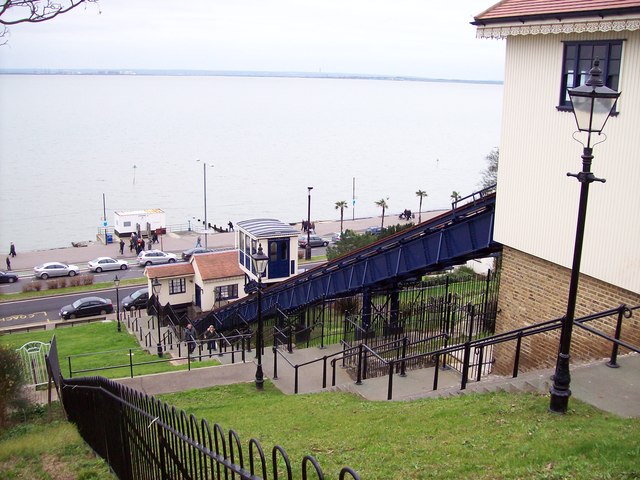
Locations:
{"points": [[260, 261], [156, 285], [206, 223], [307, 248], [592, 106], [116, 282]]}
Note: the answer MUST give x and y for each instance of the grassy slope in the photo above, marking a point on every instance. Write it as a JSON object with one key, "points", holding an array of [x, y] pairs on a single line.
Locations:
{"points": [[490, 436], [99, 337], [40, 450]]}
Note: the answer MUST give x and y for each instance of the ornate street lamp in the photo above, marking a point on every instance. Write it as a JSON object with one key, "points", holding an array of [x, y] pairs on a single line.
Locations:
{"points": [[592, 105], [307, 248], [116, 282], [156, 286], [260, 261]]}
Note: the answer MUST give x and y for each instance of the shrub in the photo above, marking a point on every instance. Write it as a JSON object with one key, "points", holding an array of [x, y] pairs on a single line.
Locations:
{"points": [[52, 284], [37, 286], [27, 287], [11, 382], [74, 281], [87, 279]]}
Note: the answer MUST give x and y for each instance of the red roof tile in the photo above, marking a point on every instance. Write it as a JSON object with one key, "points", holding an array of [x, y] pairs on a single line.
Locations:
{"points": [[522, 10], [218, 265], [171, 270]]}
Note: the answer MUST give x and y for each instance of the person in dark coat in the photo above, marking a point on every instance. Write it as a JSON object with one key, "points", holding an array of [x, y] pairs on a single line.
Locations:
{"points": [[121, 247], [210, 335], [12, 250], [9, 266], [190, 338]]}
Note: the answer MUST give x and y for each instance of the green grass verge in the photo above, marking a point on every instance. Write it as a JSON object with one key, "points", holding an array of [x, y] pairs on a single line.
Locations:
{"points": [[100, 345], [36, 449], [12, 297], [490, 436]]}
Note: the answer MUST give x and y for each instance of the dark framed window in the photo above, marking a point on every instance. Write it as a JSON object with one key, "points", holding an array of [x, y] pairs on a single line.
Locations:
{"points": [[226, 292], [177, 285], [578, 60]]}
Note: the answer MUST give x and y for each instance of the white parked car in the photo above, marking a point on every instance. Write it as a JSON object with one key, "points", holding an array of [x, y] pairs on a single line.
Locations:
{"points": [[107, 263], [155, 257], [55, 269]]}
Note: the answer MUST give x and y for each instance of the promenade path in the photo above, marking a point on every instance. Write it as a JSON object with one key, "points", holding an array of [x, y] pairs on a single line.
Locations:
{"points": [[176, 242]]}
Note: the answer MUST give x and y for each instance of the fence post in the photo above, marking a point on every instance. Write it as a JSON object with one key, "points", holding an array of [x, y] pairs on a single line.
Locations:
{"points": [[324, 306], [390, 386], [613, 361], [131, 362], [403, 363], [436, 372], [295, 389], [516, 361], [324, 372], [359, 375], [275, 361], [70, 371]]}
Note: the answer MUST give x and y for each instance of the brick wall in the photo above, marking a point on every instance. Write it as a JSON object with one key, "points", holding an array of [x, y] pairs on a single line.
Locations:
{"points": [[533, 290]]}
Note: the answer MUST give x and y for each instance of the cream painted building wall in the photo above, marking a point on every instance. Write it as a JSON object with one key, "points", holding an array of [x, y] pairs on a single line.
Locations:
{"points": [[537, 203], [208, 298]]}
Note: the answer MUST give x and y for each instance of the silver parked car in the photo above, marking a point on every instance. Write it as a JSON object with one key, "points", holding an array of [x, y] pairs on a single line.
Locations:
{"points": [[55, 269], [155, 257], [107, 263]]}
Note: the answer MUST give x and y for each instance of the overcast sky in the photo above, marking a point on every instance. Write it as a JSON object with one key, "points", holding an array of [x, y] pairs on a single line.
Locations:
{"points": [[387, 37]]}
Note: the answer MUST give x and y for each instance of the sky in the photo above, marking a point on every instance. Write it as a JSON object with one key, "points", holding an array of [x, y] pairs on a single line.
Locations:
{"points": [[379, 37]]}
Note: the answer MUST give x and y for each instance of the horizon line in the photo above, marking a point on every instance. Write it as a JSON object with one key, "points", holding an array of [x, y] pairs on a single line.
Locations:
{"points": [[234, 73]]}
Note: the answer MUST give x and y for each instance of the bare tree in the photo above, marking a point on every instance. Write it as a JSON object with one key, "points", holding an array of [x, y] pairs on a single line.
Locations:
{"points": [[13, 12], [490, 174]]}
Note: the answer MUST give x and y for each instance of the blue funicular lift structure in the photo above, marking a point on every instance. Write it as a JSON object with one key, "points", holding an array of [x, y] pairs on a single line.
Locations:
{"points": [[463, 233]]}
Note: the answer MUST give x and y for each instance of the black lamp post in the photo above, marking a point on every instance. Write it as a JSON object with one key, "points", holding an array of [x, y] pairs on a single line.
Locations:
{"points": [[156, 286], [260, 261], [116, 282], [307, 248], [592, 106]]}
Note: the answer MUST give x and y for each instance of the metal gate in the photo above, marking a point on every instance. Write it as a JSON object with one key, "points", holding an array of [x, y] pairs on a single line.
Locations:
{"points": [[34, 367]]}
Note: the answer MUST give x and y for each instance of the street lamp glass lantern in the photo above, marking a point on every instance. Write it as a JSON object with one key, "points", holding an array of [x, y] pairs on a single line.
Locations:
{"points": [[260, 261], [156, 285], [116, 281], [593, 102]]}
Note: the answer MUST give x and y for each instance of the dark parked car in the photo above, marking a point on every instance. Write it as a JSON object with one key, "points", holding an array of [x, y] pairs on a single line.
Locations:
{"points": [[136, 300], [86, 307], [187, 254], [374, 230], [6, 277]]}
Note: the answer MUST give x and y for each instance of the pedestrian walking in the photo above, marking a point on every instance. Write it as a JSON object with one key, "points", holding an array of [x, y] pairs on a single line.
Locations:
{"points": [[12, 250], [210, 335], [190, 338], [230, 226], [121, 247], [198, 242], [8, 264], [132, 244]]}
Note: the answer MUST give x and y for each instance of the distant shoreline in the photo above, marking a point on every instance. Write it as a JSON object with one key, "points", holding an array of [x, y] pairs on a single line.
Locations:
{"points": [[215, 73]]}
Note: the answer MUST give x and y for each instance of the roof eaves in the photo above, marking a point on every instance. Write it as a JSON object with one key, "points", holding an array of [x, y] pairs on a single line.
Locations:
{"points": [[559, 16]]}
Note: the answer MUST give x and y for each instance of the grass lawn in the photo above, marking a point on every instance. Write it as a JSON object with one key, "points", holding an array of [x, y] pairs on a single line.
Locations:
{"points": [[12, 297], [100, 345], [490, 436], [36, 449]]}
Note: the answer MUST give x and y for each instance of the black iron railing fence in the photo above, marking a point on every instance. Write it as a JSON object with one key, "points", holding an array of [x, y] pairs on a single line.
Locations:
{"points": [[142, 438], [472, 354]]}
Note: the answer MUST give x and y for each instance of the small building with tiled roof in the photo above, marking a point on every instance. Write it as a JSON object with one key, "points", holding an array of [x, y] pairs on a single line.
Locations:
{"points": [[550, 48], [208, 280]]}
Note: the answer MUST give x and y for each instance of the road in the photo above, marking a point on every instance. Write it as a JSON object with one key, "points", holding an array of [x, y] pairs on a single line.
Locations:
{"points": [[46, 309]]}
